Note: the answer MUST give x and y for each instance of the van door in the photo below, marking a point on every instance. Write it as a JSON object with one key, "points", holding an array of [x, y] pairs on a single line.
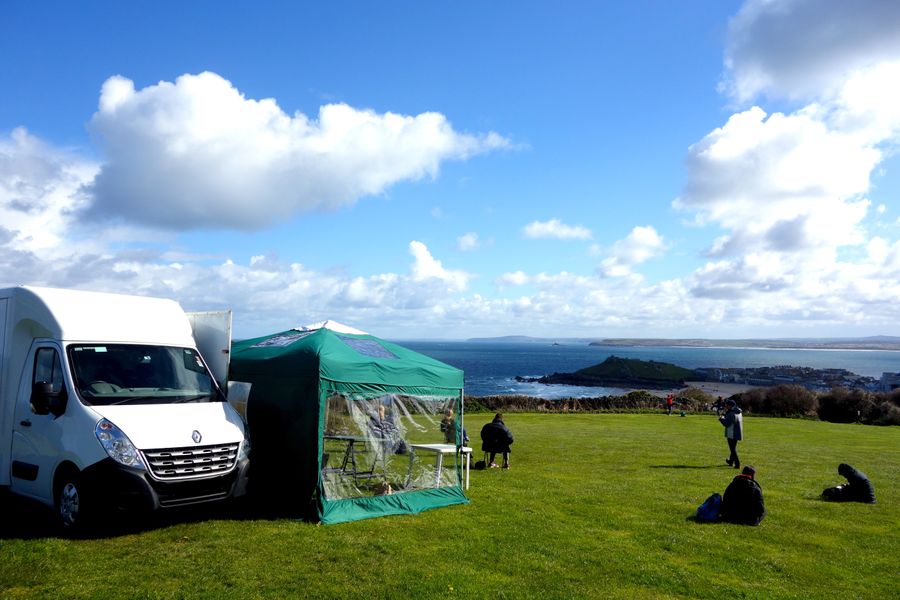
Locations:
{"points": [[212, 334], [36, 438], [6, 404]]}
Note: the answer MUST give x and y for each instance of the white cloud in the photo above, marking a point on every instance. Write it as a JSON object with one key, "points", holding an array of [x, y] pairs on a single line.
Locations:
{"points": [[791, 189], [556, 229], [468, 241], [197, 154], [426, 268], [514, 278], [784, 182], [40, 186], [642, 244], [807, 48]]}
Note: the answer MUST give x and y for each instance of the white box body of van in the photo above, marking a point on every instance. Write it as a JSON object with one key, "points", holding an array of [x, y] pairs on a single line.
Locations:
{"points": [[106, 395]]}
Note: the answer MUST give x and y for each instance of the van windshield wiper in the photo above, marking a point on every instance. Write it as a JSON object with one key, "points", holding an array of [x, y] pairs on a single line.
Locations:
{"points": [[193, 398], [137, 399], [163, 399]]}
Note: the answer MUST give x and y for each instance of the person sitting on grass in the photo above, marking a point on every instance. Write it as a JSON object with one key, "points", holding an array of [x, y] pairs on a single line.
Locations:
{"points": [[496, 437], [742, 502], [857, 489]]}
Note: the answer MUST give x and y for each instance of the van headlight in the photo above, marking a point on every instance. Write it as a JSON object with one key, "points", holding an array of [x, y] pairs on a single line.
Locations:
{"points": [[117, 445], [244, 451]]}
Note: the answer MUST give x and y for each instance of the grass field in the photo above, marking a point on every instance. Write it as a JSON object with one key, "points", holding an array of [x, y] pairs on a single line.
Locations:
{"points": [[595, 506]]}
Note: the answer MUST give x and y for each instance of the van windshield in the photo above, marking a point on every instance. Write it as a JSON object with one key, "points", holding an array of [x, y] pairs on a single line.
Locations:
{"points": [[106, 374]]}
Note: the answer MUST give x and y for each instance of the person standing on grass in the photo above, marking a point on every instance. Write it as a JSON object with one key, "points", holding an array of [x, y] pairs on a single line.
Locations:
{"points": [[496, 437], [733, 421], [670, 400]]}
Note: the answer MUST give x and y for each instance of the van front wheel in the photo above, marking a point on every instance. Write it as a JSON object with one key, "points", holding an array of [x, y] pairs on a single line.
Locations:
{"points": [[70, 503]]}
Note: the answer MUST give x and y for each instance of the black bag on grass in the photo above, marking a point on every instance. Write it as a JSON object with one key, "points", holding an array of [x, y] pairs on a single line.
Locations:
{"points": [[708, 512]]}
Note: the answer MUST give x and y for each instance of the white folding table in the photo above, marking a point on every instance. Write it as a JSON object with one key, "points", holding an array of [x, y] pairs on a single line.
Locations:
{"points": [[440, 450]]}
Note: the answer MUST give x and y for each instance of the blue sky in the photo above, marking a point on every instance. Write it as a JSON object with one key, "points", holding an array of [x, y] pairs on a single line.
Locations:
{"points": [[421, 170]]}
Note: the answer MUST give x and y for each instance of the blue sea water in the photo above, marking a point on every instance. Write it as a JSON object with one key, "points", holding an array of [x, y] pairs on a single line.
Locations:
{"points": [[491, 367]]}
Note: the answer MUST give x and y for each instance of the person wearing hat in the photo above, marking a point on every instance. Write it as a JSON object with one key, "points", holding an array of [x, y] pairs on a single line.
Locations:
{"points": [[733, 421], [742, 502]]}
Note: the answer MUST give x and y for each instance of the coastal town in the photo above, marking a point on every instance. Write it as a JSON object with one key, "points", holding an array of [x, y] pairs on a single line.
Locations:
{"points": [[818, 380]]}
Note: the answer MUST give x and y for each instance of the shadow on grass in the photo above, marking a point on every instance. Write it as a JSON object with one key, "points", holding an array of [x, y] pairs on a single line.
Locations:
{"points": [[26, 519], [688, 466], [694, 519]]}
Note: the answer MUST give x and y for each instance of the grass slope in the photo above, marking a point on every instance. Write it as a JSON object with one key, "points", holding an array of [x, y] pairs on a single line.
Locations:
{"points": [[595, 505]]}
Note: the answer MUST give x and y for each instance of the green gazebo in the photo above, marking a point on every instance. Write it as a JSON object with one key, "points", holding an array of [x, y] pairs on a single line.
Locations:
{"points": [[346, 426]]}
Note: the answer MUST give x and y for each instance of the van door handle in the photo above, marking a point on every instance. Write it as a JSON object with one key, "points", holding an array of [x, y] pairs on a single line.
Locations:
{"points": [[25, 423]]}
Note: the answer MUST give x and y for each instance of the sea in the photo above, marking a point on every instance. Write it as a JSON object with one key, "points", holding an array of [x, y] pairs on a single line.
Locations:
{"points": [[491, 367]]}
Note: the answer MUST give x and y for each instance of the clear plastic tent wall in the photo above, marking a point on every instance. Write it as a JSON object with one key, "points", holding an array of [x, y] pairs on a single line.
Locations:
{"points": [[388, 443], [357, 425]]}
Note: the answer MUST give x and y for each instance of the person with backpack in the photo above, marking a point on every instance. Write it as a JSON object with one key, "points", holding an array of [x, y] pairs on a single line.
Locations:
{"points": [[742, 502], [733, 422], [496, 438]]}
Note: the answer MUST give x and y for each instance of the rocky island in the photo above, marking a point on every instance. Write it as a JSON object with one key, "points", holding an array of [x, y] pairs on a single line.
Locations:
{"points": [[632, 373], [623, 373]]}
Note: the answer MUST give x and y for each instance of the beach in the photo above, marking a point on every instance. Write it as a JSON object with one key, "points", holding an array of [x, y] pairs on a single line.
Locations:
{"points": [[713, 388]]}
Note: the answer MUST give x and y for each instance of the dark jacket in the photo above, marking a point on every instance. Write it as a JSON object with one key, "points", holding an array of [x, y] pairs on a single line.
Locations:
{"points": [[733, 421], [742, 502], [857, 489], [495, 437]]}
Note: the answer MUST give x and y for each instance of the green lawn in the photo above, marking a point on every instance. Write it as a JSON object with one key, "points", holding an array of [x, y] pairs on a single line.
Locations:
{"points": [[595, 505]]}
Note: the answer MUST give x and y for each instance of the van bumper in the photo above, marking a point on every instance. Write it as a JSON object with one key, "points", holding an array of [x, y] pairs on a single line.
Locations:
{"points": [[113, 485]]}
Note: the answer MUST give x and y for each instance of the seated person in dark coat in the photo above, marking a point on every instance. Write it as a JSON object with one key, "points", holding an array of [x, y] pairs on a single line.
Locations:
{"points": [[857, 489], [495, 437], [742, 502]]}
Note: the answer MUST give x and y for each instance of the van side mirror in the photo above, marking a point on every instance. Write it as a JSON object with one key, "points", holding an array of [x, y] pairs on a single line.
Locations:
{"points": [[45, 401]]}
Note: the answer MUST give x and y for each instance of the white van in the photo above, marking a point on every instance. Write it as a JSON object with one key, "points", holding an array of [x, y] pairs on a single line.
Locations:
{"points": [[105, 401]]}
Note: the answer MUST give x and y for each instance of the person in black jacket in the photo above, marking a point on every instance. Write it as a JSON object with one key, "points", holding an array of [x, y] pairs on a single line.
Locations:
{"points": [[742, 502], [857, 489], [496, 437]]}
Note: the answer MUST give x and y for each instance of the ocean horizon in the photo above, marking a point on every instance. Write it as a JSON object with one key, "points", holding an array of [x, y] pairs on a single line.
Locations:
{"points": [[491, 367]]}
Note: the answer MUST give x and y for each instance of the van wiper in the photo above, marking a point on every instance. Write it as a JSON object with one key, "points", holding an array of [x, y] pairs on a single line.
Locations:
{"points": [[131, 399], [193, 398], [162, 399]]}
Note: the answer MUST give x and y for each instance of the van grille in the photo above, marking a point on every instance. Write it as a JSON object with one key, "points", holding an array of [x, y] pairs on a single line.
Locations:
{"points": [[191, 462]]}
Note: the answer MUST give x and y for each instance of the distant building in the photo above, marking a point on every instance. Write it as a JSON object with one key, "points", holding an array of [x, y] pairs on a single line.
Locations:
{"points": [[889, 382]]}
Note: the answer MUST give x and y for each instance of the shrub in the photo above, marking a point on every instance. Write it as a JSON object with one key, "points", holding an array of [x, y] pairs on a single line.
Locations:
{"points": [[840, 405], [894, 397], [752, 401], [639, 399], [886, 413], [790, 401], [694, 399]]}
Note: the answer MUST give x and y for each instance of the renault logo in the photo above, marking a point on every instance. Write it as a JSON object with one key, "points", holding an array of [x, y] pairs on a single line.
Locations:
{"points": [[196, 437]]}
